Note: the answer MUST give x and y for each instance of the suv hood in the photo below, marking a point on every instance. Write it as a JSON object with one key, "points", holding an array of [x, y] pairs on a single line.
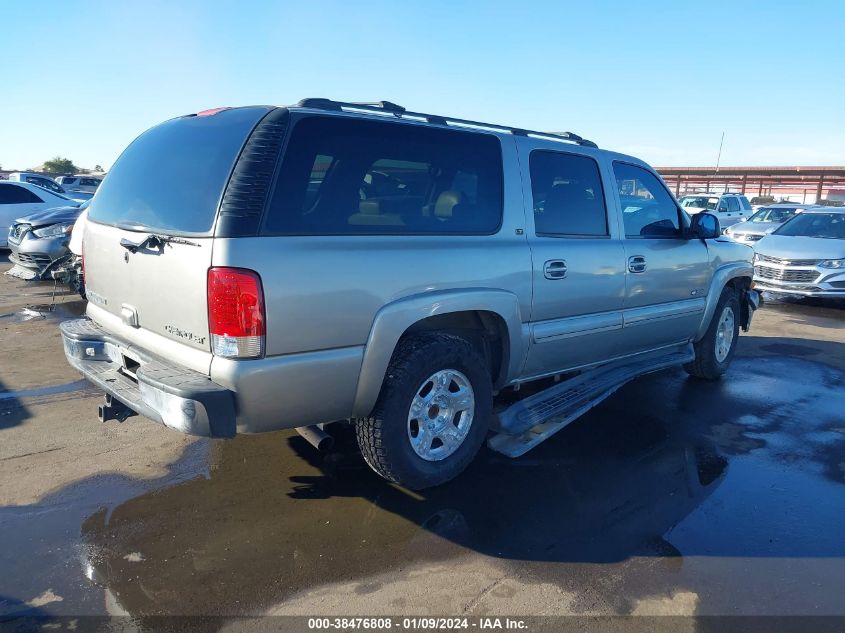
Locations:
{"points": [[799, 247], [51, 216]]}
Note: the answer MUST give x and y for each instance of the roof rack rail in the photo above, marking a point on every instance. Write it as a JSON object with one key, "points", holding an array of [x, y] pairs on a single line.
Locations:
{"points": [[385, 107]]}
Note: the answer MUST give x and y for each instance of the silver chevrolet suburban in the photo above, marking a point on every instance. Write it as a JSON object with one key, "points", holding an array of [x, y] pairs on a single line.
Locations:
{"points": [[436, 282]]}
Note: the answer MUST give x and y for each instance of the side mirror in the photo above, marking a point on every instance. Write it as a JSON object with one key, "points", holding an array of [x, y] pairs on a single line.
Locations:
{"points": [[705, 226]]}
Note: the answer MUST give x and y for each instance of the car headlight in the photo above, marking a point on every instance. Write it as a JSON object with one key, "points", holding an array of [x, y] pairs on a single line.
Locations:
{"points": [[54, 230], [832, 263]]}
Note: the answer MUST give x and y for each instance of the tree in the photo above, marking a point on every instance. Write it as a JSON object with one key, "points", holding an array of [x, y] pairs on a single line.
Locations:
{"points": [[59, 165], [97, 168]]}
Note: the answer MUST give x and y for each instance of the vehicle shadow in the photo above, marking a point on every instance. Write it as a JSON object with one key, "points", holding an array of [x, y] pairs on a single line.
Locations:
{"points": [[256, 531], [275, 517], [12, 411]]}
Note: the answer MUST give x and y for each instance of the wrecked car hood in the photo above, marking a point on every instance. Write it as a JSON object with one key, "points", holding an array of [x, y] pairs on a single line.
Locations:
{"points": [[51, 216]]}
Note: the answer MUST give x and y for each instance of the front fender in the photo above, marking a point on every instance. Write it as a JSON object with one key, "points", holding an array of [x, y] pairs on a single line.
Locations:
{"points": [[394, 319], [720, 278]]}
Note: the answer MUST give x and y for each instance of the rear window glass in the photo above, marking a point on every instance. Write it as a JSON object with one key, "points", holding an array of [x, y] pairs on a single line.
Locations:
{"points": [[171, 177], [347, 176]]}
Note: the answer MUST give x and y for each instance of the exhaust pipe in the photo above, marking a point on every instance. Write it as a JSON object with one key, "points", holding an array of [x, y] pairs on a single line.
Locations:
{"points": [[316, 437]]}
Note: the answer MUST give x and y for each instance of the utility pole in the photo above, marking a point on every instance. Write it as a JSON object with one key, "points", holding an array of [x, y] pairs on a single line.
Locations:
{"points": [[719, 157]]}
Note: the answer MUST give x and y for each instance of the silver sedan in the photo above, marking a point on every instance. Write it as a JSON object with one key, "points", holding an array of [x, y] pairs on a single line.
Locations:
{"points": [[805, 256], [766, 220]]}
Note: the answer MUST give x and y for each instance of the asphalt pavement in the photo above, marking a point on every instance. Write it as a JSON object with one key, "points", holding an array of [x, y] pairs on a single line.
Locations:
{"points": [[674, 496]]}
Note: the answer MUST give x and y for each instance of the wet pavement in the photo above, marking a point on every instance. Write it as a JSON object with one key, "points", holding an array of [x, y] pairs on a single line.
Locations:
{"points": [[673, 496]]}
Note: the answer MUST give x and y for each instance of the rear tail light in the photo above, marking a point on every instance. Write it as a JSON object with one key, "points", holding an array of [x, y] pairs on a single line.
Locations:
{"points": [[236, 313]]}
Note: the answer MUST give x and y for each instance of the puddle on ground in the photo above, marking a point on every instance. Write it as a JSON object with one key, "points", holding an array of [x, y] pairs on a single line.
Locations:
{"points": [[70, 387], [55, 311], [653, 472]]}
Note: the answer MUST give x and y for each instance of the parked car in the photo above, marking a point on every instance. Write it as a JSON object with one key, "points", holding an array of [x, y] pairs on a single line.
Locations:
{"points": [[730, 208], [758, 202], [45, 182], [18, 199], [331, 261], [86, 184], [764, 221], [40, 242], [805, 256]]}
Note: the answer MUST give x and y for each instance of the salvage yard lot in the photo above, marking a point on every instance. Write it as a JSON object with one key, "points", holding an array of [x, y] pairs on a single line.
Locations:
{"points": [[672, 497]]}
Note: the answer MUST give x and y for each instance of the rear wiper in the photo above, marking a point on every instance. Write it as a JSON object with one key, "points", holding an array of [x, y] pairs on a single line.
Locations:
{"points": [[154, 240]]}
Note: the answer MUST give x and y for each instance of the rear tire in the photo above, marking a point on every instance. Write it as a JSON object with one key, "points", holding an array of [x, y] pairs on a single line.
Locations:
{"points": [[436, 386], [714, 352]]}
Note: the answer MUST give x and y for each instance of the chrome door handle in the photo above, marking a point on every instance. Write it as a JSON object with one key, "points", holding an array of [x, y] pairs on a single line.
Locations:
{"points": [[636, 264], [554, 269]]}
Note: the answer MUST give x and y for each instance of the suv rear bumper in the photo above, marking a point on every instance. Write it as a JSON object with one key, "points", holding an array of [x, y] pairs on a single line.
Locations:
{"points": [[166, 393]]}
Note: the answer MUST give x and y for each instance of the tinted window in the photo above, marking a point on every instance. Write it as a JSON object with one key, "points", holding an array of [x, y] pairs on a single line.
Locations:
{"points": [[12, 194], [171, 177], [344, 176], [89, 182], [743, 201], [733, 204], [567, 194], [648, 209]]}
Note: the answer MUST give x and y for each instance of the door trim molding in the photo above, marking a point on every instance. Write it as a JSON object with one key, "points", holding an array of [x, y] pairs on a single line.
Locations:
{"points": [[556, 329], [663, 311]]}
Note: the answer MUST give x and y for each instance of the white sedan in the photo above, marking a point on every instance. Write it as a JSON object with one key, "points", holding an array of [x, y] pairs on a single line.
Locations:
{"points": [[19, 199]]}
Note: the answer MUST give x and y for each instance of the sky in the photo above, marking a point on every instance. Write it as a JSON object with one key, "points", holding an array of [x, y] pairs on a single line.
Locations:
{"points": [[660, 80]]}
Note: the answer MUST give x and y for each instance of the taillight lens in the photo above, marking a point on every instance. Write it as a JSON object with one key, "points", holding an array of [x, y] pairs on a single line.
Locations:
{"points": [[236, 313]]}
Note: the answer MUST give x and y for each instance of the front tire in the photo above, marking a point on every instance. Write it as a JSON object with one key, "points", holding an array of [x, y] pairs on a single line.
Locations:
{"points": [[714, 352], [432, 413]]}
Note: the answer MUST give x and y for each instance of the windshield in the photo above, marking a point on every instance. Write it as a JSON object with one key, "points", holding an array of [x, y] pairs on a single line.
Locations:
{"points": [[58, 195], [699, 202], [781, 214], [825, 225], [44, 183]]}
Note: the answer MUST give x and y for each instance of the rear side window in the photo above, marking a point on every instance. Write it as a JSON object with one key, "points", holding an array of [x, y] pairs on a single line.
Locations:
{"points": [[567, 195], [171, 178], [733, 205], [647, 208], [13, 194], [746, 206], [347, 176]]}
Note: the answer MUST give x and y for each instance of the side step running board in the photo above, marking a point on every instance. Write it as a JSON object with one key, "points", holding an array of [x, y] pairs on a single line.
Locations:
{"points": [[526, 423]]}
